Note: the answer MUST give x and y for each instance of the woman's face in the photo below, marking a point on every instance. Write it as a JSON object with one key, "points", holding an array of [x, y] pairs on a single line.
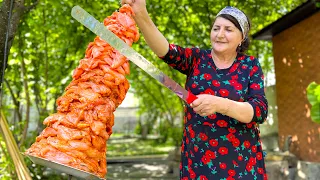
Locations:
{"points": [[225, 36]]}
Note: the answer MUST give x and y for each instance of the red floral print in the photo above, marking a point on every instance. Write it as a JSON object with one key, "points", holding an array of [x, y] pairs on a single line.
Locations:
{"points": [[235, 142], [223, 150], [231, 137], [192, 174], [254, 148], [222, 123], [248, 167], [224, 92], [230, 178], [209, 91], [260, 170], [259, 156], [216, 83], [207, 76], [232, 130], [210, 154], [212, 116], [203, 177], [238, 86], [213, 142], [203, 136], [240, 158], [255, 86], [231, 172], [223, 165], [205, 159], [252, 161], [258, 111], [246, 144], [188, 52]]}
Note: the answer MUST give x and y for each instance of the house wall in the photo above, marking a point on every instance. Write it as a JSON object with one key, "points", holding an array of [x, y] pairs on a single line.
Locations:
{"points": [[297, 63]]}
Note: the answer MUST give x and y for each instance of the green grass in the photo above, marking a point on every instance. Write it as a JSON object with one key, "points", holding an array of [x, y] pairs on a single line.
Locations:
{"points": [[136, 147], [117, 135]]}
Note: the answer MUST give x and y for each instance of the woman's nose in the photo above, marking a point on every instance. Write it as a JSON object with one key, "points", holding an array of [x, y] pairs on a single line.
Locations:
{"points": [[220, 33]]}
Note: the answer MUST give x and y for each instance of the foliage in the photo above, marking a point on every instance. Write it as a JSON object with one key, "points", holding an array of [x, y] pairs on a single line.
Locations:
{"points": [[313, 94], [6, 164], [49, 44]]}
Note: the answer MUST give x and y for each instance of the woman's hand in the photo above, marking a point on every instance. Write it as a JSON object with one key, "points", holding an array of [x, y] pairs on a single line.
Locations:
{"points": [[154, 38], [137, 5], [206, 104]]}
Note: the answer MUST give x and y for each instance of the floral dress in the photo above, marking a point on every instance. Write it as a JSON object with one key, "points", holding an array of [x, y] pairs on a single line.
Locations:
{"points": [[218, 147]]}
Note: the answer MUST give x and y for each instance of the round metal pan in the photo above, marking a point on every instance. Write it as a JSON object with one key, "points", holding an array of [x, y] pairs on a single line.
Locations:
{"points": [[63, 168]]}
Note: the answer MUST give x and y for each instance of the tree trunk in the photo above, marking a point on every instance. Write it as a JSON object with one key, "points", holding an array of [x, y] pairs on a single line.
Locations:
{"points": [[26, 91], [3, 30], [17, 12]]}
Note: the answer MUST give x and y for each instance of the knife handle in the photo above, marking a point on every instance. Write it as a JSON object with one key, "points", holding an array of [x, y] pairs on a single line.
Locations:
{"points": [[191, 97]]}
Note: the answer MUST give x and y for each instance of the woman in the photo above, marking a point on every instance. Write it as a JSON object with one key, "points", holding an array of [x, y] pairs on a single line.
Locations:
{"points": [[221, 135]]}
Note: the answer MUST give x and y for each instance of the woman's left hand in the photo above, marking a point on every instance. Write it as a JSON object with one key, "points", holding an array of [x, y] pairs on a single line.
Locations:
{"points": [[205, 104]]}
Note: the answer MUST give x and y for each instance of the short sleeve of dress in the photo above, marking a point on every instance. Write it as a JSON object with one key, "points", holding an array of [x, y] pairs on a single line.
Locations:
{"points": [[181, 59], [256, 95]]}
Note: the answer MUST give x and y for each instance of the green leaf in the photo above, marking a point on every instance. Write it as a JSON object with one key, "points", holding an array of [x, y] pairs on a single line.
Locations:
{"points": [[315, 113], [311, 93]]}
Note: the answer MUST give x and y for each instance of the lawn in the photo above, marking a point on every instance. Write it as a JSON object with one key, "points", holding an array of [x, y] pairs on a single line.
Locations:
{"points": [[134, 146]]}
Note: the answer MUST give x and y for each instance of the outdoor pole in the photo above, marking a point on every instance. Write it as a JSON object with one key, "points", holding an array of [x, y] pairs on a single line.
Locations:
{"points": [[12, 147]]}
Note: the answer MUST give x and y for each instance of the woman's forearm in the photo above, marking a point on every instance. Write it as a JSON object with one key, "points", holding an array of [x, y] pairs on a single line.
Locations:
{"points": [[154, 38], [241, 111]]}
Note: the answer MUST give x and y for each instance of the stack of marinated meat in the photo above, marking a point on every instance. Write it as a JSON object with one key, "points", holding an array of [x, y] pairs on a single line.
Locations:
{"points": [[76, 135]]}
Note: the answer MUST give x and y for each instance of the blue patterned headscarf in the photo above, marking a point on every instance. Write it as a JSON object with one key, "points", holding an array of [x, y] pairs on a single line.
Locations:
{"points": [[239, 16]]}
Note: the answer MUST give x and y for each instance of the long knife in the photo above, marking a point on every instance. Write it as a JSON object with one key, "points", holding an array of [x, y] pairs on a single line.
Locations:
{"points": [[100, 30]]}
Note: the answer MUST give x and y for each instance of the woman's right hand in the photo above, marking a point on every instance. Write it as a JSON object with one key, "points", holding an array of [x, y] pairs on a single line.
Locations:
{"points": [[136, 5], [155, 40]]}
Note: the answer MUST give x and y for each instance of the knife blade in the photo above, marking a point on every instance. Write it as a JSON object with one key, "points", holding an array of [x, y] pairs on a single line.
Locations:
{"points": [[104, 33]]}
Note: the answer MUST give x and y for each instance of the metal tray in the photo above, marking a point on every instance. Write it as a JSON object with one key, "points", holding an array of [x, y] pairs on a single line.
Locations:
{"points": [[63, 168]]}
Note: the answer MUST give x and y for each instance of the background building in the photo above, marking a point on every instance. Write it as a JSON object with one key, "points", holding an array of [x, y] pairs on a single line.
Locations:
{"points": [[296, 51]]}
